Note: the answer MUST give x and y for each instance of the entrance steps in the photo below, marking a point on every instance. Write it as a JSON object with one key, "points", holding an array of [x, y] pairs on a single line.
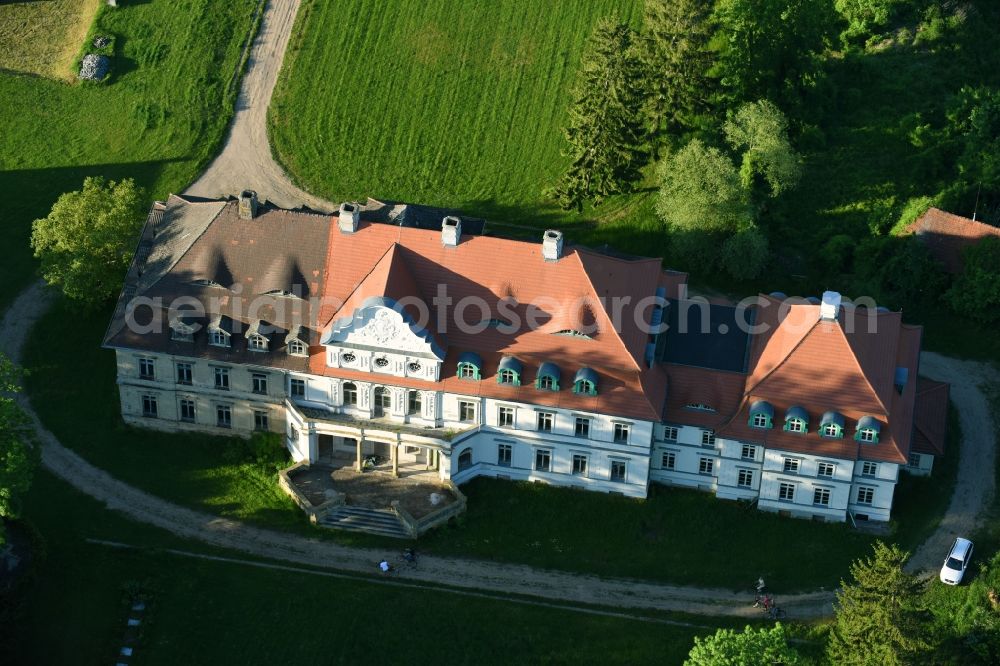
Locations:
{"points": [[361, 519]]}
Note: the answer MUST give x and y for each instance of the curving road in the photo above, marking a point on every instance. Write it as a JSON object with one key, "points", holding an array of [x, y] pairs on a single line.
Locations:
{"points": [[245, 161]]}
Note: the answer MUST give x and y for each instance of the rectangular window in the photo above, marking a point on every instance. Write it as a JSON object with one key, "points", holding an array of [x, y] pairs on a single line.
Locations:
{"points": [[869, 469], [707, 438], [415, 404], [582, 427], [618, 471], [543, 460], [668, 460], [791, 466], [261, 420], [259, 383], [297, 388], [786, 492], [545, 421], [745, 478], [621, 432], [866, 495], [705, 465], [867, 435], [913, 460], [466, 411], [506, 417], [825, 469], [670, 434], [796, 425], [149, 406], [223, 416], [147, 369], [218, 338], [748, 452], [580, 465], [504, 454], [222, 379], [760, 420], [821, 496], [187, 410], [184, 373]]}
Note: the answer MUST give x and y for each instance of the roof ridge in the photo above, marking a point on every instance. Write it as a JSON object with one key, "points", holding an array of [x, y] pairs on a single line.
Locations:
{"points": [[194, 240], [861, 368], [374, 267], [617, 335], [791, 351]]}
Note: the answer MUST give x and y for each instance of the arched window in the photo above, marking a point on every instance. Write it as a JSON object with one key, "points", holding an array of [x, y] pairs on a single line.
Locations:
{"points": [[547, 378], [585, 382], [470, 366], [797, 420], [868, 430], [414, 403], [350, 394], [383, 401], [465, 460], [831, 425], [296, 348], [761, 414], [257, 343], [509, 371]]}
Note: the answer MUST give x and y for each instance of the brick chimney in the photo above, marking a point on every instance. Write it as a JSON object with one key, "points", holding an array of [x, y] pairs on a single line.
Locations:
{"points": [[348, 218], [248, 204]]}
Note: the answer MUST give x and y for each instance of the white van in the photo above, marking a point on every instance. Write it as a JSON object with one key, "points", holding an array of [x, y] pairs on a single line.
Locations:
{"points": [[956, 562]]}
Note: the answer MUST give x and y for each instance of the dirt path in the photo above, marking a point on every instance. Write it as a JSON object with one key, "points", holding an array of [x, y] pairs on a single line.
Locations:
{"points": [[974, 487], [245, 161]]}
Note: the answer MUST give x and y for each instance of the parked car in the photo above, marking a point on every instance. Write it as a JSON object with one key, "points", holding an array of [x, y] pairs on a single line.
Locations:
{"points": [[956, 562]]}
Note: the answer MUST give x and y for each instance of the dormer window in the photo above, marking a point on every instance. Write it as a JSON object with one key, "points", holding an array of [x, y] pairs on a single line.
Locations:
{"points": [[509, 371], [699, 407], [181, 329], [797, 420], [470, 366], [296, 348], [257, 343], [547, 378], [573, 333], [868, 430], [585, 382], [295, 341], [761, 414], [219, 338], [218, 331], [831, 425]]}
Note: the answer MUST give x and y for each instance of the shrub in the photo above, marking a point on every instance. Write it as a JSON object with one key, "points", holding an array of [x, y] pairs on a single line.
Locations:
{"points": [[745, 254]]}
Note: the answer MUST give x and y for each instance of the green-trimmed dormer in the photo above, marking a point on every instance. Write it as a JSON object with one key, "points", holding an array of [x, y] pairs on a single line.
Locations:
{"points": [[547, 378], [797, 420], [585, 382], [761, 415], [831, 425], [868, 430], [510, 371], [470, 366]]}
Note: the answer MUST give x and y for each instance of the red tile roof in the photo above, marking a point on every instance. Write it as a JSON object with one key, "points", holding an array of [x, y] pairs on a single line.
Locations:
{"points": [[931, 421], [947, 235]]}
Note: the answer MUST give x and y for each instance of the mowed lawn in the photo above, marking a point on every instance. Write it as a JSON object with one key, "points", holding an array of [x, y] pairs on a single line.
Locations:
{"points": [[43, 38], [159, 119], [440, 102], [210, 612]]}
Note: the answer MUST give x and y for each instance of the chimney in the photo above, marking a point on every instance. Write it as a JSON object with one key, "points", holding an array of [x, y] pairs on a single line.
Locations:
{"points": [[348, 218], [451, 231], [552, 243], [248, 205], [830, 306]]}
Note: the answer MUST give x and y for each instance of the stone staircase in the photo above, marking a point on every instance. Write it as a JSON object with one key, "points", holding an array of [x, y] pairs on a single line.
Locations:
{"points": [[382, 522]]}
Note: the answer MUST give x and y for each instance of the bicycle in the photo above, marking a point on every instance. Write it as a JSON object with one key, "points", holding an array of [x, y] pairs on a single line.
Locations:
{"points": [[410, 557]]}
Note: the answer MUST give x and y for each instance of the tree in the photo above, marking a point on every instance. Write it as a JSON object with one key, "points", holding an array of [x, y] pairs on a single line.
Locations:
{"points": [[971, 137], [727, 647], [745, 254], [760, 130], [701, 190], [976, 292], [86, 242], [674, 50], [605, 132], [864, 16], [877, 620], [18, 452], [768, 48], [900, 270]]}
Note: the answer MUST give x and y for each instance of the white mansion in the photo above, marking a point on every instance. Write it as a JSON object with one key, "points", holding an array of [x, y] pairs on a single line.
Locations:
{"points": [[400, 331]]}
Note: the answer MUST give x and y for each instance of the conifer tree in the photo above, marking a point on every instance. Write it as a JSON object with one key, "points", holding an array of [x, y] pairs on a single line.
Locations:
{"points": [[605, 132], [674, 50], [878, 621]]}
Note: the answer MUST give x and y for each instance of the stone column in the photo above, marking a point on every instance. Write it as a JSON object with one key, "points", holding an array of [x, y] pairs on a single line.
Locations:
{"points": [[357, 464], [395, 460]]}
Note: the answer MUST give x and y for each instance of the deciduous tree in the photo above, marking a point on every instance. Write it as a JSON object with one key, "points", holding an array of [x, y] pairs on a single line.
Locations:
{"points": [[606, 132], [86, 242], [18, 453], [674, 49], [700, 189], [745, 254], [750, 647], [976, 292], [877, 619], [759, 130]]}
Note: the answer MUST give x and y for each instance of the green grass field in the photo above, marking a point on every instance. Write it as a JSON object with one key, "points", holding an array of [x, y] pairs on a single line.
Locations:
{"points": [[529, 523], [433, 103], [158, 120], [43, 38], [205, 612]]}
